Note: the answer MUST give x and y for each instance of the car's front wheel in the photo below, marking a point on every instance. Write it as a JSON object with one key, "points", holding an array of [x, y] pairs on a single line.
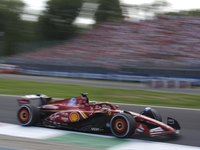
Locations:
{"points": [[28, 115], [122, 125]]}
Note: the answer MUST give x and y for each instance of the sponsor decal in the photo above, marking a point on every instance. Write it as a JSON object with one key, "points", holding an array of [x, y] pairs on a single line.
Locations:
{"points": [[74, 116], [158, 129], [170, 121], [54, 116], [83, 114], [49, 107], [64, 113], [109, 113], [72, 101], [64, 119], [108, 125], [95, 129], [140, 128], [101, 129]]}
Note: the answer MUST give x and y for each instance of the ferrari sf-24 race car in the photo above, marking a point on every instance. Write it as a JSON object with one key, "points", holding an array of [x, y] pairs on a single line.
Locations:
{"points": [[80, 114]]}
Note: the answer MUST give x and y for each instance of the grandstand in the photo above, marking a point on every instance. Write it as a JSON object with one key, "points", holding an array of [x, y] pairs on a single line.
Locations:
{"points": [[166, 42]]}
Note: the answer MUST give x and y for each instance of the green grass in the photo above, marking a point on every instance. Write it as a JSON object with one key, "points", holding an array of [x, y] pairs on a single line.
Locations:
{"points": [[16, 87]]}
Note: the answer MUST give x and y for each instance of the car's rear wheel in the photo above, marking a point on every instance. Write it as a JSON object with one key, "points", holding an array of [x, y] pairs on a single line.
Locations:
{"points": [[152, 113], [28, 115], [122, 125]]}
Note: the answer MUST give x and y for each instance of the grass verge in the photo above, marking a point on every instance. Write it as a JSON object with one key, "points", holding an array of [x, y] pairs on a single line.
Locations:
{"points": [[16, 87]]}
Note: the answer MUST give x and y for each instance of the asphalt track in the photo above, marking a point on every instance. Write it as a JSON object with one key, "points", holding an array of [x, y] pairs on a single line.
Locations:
{"points": [[188, 118], [33, 144]]}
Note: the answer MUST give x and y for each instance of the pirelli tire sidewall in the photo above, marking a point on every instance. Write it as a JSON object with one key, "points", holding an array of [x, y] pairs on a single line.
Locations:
{"points": [[156, 115], [28, 115], [122, 125]]}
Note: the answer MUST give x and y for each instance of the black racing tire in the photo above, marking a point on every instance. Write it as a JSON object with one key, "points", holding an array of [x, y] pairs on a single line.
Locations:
{"points": [[28, 115], [152, 113], [122, 125]]}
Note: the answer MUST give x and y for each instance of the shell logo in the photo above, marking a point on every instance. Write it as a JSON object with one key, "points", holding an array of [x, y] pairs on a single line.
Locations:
{"points": [[74, 117]]}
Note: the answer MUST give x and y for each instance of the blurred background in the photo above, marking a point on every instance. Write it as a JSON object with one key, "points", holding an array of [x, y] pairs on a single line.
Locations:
{"points": [[100, 39]]}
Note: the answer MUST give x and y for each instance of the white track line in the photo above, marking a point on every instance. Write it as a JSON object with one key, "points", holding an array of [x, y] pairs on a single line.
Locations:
{"points": [[130, 144]]}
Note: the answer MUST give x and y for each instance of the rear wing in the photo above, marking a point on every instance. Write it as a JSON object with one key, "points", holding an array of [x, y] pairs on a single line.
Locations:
{"points": [[43, 99]]}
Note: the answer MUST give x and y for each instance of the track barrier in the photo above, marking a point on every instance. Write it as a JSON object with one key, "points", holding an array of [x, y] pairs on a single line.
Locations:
{"points": [[154, 83]]}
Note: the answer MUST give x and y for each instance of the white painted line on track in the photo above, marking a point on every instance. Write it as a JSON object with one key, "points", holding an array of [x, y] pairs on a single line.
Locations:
{"points": [[26, 132], [51, 132]]}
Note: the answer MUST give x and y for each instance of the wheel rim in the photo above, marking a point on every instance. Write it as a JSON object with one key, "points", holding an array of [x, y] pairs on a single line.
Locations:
{"points": [[119, 125], [24, 115]]}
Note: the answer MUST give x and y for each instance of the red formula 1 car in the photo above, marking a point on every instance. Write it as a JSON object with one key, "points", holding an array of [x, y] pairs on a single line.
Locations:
{"points": [[81, 115]]}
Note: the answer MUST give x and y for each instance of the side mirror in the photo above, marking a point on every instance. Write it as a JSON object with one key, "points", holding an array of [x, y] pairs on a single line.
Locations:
{"points": [[117, 106]]}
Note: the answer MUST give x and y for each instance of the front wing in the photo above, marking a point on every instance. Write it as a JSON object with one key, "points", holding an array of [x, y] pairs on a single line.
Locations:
{"points": [[155, 129]]}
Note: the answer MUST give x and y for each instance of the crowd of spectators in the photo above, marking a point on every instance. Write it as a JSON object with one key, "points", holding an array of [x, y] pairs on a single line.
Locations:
{"points": [[166, 41]]}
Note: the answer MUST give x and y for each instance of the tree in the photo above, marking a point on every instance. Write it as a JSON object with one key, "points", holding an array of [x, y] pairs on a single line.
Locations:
{"points": [[10, 11], [108, 10], [195, 12], [56, 23], [147, 9]]}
